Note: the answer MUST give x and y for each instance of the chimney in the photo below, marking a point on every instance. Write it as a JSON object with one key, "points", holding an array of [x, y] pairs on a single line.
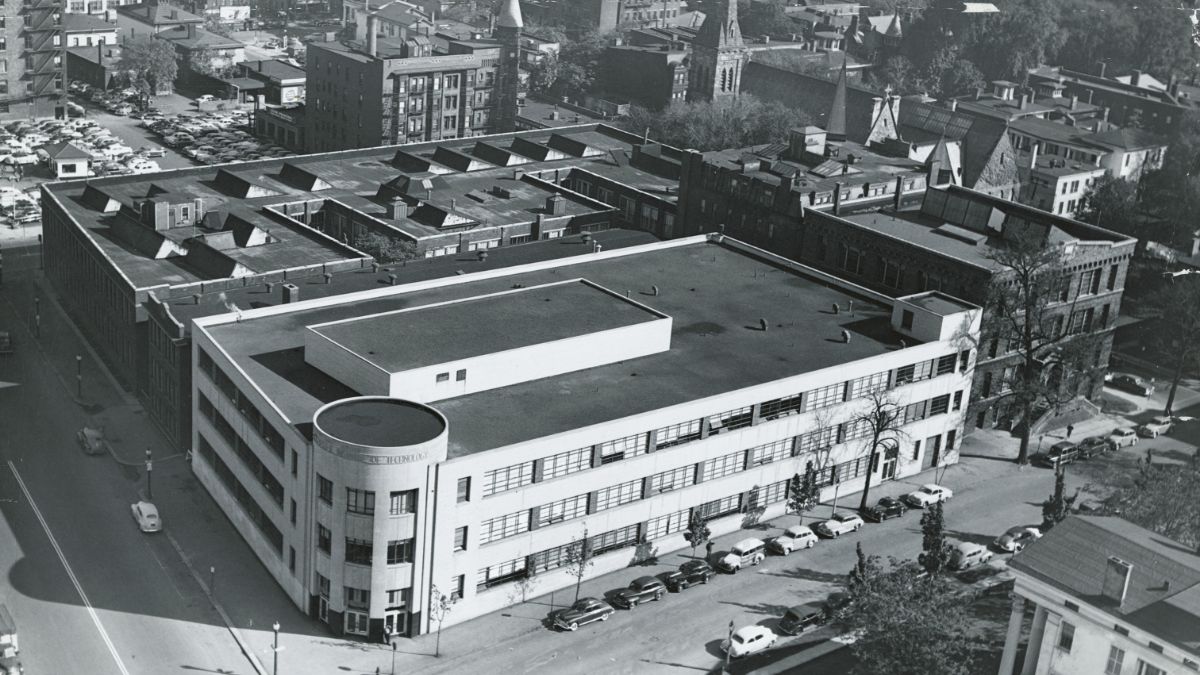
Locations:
{"points": [[291, 293], [1024, 101], [1074, 101], [100, 55], [837, 198], [397, 209], [953, 104], [1116, 580], [1135, 77], [372, 39], [260, 65], [1103, 67], [899, 192], [978, 93], [556, 205], [191, 30], [1033, 155]]}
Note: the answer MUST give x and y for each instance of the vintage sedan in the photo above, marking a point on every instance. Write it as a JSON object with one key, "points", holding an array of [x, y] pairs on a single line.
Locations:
{"points": [[839, 525], [584, 611]]}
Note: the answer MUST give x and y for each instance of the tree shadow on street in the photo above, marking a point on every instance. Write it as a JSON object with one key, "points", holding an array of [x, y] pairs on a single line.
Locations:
{"points": [[971, 537], [809, 575], [769, 609]]}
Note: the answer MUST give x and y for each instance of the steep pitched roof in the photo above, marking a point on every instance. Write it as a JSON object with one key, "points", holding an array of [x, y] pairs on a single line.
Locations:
{"points": [[836, 127], [1163, 595], [985, 145], [721, 29], [65, 151], [510, 15]]}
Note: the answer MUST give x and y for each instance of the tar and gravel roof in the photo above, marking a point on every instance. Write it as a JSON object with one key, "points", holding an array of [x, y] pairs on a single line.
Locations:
{"points": [[715, 294]]}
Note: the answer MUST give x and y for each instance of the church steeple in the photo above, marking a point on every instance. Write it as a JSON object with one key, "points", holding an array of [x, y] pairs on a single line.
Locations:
{"points": [[835, 126], [718, 55]]}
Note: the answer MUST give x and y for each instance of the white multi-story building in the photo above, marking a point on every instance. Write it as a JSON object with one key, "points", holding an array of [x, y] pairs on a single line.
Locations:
{"points": [[1107, 598], [462, 434]]}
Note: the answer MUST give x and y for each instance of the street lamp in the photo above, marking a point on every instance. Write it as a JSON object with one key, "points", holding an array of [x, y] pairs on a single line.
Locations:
{"points": [[149, 472], [275, 670], [78, 376], [393, 656]]}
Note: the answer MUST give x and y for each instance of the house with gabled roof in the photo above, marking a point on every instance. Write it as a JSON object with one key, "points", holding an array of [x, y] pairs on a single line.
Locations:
{"points": [[1106, 596]]}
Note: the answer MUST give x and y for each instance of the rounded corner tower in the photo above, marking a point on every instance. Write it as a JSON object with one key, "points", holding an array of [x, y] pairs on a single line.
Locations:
{"points": [[376, 459]]}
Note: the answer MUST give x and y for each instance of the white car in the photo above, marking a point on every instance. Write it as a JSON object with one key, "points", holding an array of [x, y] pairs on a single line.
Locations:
{"points": [[204, 99], [794, 537], [1155, 427], [1123, 436], [749, 640], [1016, 538], [928, 494], [146, 515], [839, 525]]}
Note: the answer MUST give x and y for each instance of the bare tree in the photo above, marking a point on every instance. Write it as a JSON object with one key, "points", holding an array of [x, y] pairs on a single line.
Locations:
{"points": [[440, 605], [577, 559], [1029, 312], [881, 423]]}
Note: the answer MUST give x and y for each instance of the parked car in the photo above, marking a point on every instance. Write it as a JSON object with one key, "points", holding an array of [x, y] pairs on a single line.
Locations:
{"points": [[802, 617], [1155, 427], [1123, 436], [967, 555], [1062, 452], [689, 574], [1016, 538], [929, 493], [1094, 445], [749, 640], [640, 590], [146, 515], [1131, 384], [584, 611], [839, 525], [888, 507], [794, 537], [749, 551], [205, 98]]}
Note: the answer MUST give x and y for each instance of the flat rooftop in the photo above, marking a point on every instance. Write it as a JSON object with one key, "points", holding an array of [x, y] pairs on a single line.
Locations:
{"points": [[464, 171], [816, 172], [424, 336], [940, 303], [715, 294]]}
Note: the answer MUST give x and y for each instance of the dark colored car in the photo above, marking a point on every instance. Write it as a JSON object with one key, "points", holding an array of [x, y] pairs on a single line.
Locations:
{"points": [[640, 590], [584, 611], [1063, 452], [885, 508], [1094, 445], [802, 617], [1131, 384], [689, 573]]}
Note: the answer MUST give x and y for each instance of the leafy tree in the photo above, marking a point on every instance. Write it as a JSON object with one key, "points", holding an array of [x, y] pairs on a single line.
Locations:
{"points": [[697, 532], [1026, 312], [209, 62], [1096, 30], [544, 74], [385, 249], [865, 569], [1164, 498], [883, 420], [905, 624], [897, 72], [803, 492], [577, 559], [1057, 506], [1022, 36], [1164, 38], [150, 60], [1178, 304], [735, 123], [1172, 193], [765, 18], [1112, 203], [935, 550], [578, 64], [440, 605]]}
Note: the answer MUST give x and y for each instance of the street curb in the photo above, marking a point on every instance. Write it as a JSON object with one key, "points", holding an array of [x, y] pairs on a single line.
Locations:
{"points": [[237, 634]]}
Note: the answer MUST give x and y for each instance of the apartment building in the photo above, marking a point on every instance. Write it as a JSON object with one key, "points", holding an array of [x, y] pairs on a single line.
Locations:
{"points": [[376, 449], [32, 59], [1106, 596]]}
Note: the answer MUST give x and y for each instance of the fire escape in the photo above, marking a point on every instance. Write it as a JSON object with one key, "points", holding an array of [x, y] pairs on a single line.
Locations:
{"points": [[45, 70]]}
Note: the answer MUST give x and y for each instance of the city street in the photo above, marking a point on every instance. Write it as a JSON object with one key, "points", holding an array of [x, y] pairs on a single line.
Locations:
{"points": [[147, 611]]}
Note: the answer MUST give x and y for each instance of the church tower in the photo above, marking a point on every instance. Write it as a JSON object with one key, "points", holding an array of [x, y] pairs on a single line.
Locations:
{"points": [[508, 34], [718, 56]]}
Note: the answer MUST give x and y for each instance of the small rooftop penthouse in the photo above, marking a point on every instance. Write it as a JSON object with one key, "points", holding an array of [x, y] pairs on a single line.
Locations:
{"points": [[635, 330]]}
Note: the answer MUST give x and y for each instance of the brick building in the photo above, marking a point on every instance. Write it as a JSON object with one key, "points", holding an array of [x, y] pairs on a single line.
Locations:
{"points": [[32, 59], [947, 244], [662, 75]]}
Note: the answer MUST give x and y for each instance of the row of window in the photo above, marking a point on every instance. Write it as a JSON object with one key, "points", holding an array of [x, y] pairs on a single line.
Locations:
{"points": [[613, 496], [400, 502], [360, 551], [243, 497], [257, 422], [248, 457], [564, 463]]}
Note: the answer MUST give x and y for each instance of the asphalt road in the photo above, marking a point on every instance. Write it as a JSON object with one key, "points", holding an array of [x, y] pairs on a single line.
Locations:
{"points": [[89, 592]]}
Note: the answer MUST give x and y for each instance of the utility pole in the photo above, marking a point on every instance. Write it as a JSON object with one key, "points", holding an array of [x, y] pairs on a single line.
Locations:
{"points": [[149, 473], [78, 376]]}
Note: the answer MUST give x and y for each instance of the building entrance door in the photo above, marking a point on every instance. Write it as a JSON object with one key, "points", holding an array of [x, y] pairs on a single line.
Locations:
{"points": [[395, 623], [891, 456]]}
